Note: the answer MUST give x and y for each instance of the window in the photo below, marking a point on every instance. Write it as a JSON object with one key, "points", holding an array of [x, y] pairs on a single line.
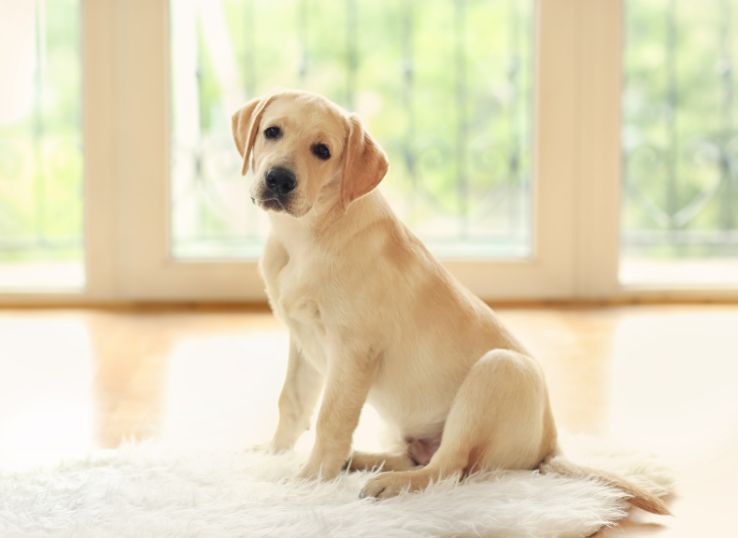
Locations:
{"points": [[40, 146], [445, 86], [550, 149], [680, 142]]}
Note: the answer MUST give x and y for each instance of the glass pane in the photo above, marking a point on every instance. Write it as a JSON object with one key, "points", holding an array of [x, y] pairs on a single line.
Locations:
{"points": [[444, 85], [40, 145], [680, 142]]}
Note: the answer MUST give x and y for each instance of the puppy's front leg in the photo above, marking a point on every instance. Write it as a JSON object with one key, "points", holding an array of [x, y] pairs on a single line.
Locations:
{"points": [[350, 374], [297, 400]]}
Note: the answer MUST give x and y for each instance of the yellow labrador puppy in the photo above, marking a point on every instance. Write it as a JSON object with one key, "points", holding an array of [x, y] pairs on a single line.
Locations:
{"points": [[374, 317]]}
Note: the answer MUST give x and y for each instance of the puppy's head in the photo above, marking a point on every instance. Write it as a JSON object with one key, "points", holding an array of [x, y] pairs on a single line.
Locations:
{"points": [[304, 152]]}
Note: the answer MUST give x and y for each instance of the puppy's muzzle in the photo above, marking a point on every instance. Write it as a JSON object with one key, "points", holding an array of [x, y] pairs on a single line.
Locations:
{"points": [[280, 182]]}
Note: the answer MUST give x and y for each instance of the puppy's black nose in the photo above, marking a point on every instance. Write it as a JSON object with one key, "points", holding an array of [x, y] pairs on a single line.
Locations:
{"points": [[280, 180]]}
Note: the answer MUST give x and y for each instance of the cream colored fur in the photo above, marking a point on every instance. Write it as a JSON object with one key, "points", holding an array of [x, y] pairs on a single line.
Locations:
{"points": [[374, 317]]}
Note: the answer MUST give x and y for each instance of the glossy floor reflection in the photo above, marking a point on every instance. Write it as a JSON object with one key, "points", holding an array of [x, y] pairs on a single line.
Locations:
{"points": [[660, 378]]}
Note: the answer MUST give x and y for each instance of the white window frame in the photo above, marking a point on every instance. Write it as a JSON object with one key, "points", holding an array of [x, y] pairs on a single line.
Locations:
{"points": [[126, 107]]}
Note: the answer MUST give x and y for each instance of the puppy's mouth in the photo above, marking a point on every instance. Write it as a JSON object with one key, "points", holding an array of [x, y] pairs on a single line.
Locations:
{"points": [[269, 204]]}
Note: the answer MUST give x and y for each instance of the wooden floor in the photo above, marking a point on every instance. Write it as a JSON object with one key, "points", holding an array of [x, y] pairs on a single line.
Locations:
{"points": [[664, 378]]}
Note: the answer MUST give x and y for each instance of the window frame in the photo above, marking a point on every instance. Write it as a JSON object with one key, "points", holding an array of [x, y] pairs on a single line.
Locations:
{"points": [[150, 272]]}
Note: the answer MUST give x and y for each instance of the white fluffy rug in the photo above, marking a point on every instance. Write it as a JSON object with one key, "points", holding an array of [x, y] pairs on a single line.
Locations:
{"points": [[147, 490]]}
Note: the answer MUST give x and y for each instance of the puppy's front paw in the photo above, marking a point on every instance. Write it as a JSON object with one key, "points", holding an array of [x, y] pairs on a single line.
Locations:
{"points": [[309, 472], [321, 469]]}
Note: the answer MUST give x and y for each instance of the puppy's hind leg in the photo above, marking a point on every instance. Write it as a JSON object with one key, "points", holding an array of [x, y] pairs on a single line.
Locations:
{"points": [[500, 419], [366, 461]]}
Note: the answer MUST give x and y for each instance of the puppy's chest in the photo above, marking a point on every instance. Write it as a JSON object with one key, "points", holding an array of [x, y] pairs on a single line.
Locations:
{"points": [[299, 300], [297, 295]]}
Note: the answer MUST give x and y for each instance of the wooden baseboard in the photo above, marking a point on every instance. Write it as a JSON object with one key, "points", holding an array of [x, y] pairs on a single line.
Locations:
{"points": [[243, 306]]}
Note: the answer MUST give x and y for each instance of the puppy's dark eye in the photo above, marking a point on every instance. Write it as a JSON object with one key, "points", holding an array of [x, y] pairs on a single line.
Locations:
{"points": [[321, 151], [272, 132]]}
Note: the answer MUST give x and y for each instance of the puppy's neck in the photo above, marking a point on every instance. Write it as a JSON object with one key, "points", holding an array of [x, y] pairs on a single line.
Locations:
{"points": [[324, 223]]}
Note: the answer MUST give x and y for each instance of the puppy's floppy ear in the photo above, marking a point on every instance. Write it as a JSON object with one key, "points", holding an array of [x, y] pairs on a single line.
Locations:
{"points": [[364, 163], [245, 127]]}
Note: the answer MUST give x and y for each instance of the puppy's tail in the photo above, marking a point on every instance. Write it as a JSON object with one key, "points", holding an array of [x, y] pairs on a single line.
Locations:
{"points": [[557, 464]]}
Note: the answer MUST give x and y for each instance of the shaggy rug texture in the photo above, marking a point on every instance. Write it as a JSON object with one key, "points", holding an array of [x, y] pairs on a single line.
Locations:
{"points": [[148, 490]]}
